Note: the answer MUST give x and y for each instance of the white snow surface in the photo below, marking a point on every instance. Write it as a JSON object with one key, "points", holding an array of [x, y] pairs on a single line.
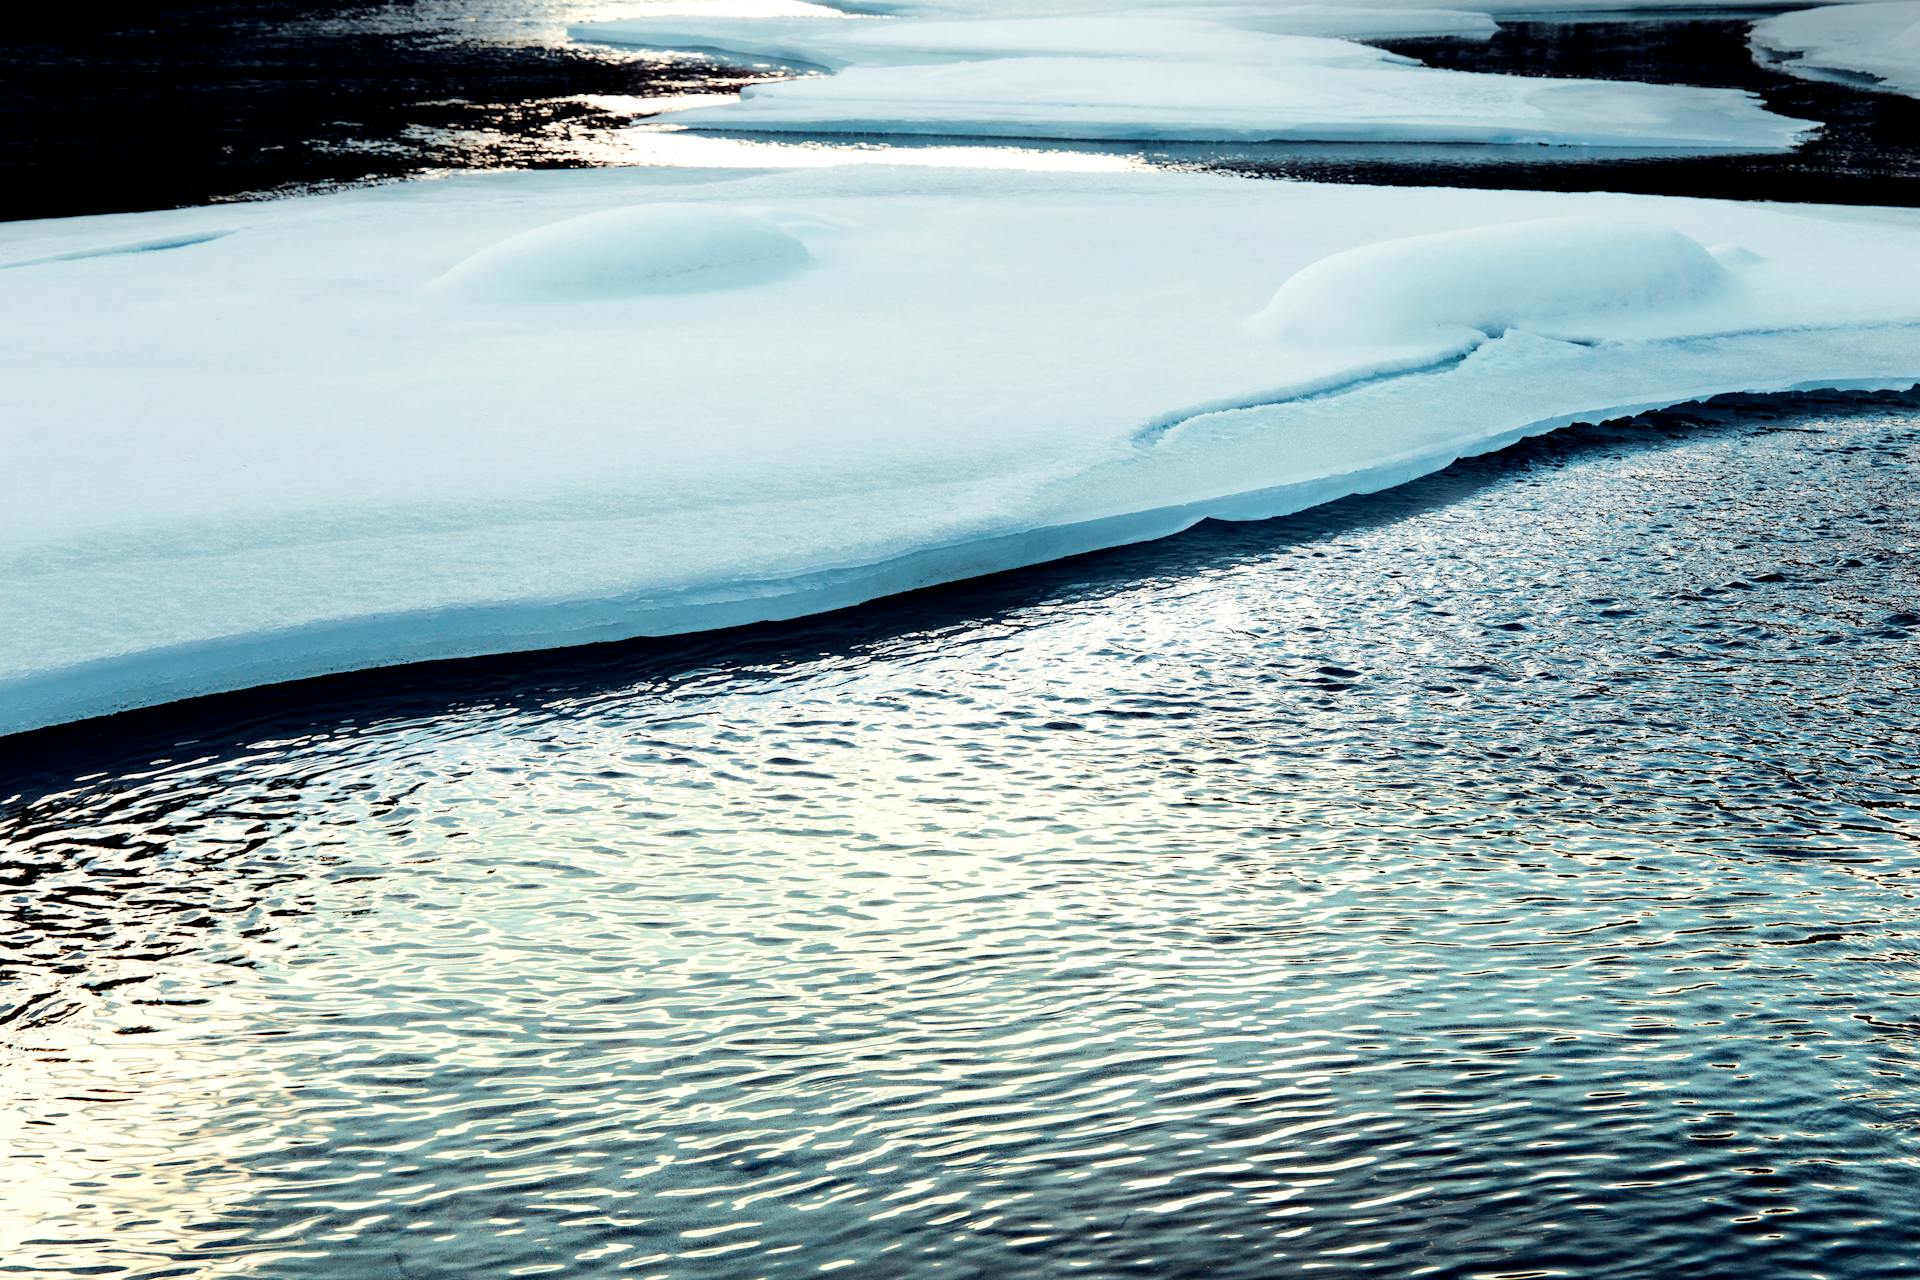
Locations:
{"points": [[1547, 276], [1877, 45], [1175, 72], [251, 443], [665, 248]]}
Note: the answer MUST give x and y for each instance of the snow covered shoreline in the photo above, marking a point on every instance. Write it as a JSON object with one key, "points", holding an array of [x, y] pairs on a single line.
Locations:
{"points": [[281, 449], [228, 664]]}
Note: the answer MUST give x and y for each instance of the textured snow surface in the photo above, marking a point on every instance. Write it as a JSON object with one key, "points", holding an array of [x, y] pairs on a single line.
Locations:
{"points": [[1873, 44], [270, 445], [1176, 72]]}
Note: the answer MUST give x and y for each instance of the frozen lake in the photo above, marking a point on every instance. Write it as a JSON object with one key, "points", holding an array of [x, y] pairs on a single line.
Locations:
{"points": [[1509, 874]]}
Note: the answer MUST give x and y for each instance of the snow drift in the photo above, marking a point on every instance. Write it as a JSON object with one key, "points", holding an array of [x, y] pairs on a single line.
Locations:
{"points": [[622, 252], [278, 453], [1573, 278]]}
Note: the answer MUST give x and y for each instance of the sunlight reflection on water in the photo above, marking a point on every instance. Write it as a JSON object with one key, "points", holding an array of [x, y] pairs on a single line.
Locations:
{"points": [[670, 145]]}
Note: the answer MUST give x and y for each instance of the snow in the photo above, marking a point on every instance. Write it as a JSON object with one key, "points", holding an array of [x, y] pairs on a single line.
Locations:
{"points": [[1291, 99], [1359, 22], [1574, 278], [623, 252], [1177, 72], [270, 446], [834, 41], [1876, 45]]}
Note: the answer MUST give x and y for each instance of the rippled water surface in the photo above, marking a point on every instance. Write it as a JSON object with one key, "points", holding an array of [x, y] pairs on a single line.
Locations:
{"points": [[1513, 873]]}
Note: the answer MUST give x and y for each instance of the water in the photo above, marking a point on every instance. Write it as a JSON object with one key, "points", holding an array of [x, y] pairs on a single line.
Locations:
{"points": [[1868, 151], [1511, 874], [121, 106], [118, 106]]}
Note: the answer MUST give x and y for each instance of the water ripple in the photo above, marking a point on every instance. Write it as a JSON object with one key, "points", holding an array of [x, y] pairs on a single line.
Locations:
{"points": [[1510, 875]]}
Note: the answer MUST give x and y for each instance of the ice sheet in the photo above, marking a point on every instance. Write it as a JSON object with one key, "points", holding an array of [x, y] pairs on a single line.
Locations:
{"points": [[1176, 72]]}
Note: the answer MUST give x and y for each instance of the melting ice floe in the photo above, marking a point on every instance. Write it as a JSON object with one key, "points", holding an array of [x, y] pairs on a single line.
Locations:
{"points": [[1177, 72], [1875, 45], [289, 451]]}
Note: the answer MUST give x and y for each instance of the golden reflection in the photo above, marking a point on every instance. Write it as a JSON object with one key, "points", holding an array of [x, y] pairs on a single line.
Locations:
{"points": [[120, 1146]]}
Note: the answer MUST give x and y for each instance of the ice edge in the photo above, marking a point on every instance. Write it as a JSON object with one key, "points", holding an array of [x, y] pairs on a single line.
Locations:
{"points": [[157, 677]]}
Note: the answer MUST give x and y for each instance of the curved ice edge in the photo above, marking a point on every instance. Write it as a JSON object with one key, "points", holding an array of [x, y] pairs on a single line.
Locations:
{"points": [[156, 677]]}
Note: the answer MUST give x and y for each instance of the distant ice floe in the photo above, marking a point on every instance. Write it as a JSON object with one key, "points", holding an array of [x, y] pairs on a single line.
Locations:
{"points": [[1174, 72], [1875, 45], [289, 451]]}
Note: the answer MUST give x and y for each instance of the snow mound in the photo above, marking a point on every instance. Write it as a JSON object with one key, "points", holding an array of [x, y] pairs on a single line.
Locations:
{"points": [[1562, 277], [1875, 45], [633, 251]]}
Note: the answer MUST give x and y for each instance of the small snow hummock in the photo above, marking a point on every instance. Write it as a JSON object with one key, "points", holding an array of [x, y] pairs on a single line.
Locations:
{"points": [[1558, 277], [1873, 45], [659, 248]]}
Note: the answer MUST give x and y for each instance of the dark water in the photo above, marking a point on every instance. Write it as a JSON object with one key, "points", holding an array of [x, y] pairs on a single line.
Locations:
{"points": [[1514, 874], [121, 106], [147, 105]]}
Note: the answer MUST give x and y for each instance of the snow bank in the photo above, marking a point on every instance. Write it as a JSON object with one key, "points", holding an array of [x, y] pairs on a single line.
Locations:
{"points": [[279, 453], [1174, 72], [1576, 278], [1877, 45], [621, 252]]}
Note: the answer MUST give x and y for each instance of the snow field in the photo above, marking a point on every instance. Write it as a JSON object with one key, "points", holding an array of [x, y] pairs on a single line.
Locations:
{"points": [[1190, 72], [287, 450]]}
